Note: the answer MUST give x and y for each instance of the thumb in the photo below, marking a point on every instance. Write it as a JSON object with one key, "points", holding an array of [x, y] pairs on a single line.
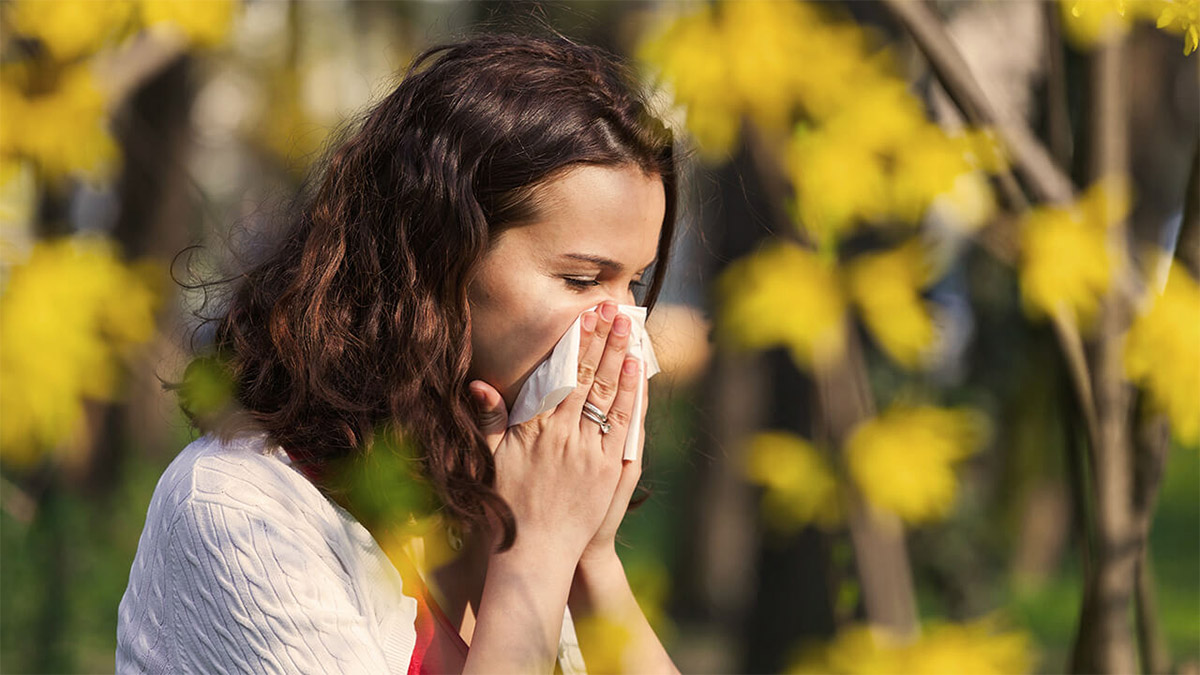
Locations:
{"points": [[490, 411]]}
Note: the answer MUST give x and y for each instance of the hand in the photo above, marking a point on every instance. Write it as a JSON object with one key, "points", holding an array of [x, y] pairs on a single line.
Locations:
{"points": [[557, 472], [604, 543]]}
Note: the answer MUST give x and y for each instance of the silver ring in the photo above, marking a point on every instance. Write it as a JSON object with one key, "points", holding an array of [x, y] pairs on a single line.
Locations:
{"points": [[593, 413]]}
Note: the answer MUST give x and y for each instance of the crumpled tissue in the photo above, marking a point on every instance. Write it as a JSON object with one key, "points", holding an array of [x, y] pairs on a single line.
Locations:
{"points": [[556, 377]]}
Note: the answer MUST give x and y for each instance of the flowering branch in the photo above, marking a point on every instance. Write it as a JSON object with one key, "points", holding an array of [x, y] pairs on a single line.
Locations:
{"points": [[1029, 156]]}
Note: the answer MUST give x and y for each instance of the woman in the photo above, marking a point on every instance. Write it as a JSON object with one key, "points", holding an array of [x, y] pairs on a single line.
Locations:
{"points": [[507, 187]]}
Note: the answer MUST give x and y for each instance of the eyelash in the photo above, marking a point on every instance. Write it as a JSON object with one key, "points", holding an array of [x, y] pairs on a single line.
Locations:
{"points": [[583, 284]]}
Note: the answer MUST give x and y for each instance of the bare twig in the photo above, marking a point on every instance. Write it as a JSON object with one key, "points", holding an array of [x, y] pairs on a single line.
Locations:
{"points": [[1104, 642], [1187, 250], [1030, 157], [1153, 442], [1058, 121], [879, 549]]}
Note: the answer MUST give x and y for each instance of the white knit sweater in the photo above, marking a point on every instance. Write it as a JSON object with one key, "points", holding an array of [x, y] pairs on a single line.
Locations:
{"points": [[244, 566]]}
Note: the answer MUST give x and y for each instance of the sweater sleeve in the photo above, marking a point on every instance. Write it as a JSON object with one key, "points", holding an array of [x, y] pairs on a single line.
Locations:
{"points": [[255, 593]]}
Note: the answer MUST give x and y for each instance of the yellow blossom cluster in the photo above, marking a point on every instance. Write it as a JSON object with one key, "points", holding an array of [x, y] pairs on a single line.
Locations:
{"points": [[787, 295], [981, 647], [865, 151], [63, 130], [783, 295], [55, 111], [69, 29], [69, 316], [903, 460], [1162, 353], [739, 58], [73, 28], [1090, 23], [1066, 259], [886, 288], [878, 160], [202, 24], [800, 485]]}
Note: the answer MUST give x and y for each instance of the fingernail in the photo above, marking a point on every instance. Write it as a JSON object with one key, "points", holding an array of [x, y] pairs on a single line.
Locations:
{"points": [[589, 321], [478, 397], [631, 366], [608, 311], [621, 325]]}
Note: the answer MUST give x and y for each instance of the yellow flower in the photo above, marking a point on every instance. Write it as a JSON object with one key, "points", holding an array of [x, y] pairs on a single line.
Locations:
{"points": [[976, 647], [71, 315], [782, 296], [887, 289], [1089, 23], [839, 181], [1162, 353], [71, 28], [607, 641], [650, 582], [762, 43], [856, 650], [1181, 16], [203, 23], [688, 53], [800, 486], [63, 130], [903, 461], [927, 163], [1066, 261], [979, 647]]}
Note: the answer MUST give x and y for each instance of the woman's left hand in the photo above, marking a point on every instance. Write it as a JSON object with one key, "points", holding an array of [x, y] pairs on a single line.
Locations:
{"points": [[603, 544]]}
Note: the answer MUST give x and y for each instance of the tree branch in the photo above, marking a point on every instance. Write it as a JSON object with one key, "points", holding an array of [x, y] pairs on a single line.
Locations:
{"points": [[1030, 157]]}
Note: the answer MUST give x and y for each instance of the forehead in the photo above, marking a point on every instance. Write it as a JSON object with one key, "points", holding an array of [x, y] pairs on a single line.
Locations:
{"points": [[614, 212]]}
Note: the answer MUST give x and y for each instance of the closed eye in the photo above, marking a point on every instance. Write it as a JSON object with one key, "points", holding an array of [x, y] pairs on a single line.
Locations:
{"points": [[584, 284]]}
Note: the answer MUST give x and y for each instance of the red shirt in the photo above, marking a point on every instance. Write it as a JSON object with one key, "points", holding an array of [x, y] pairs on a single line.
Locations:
{"points": [[439, 648]]}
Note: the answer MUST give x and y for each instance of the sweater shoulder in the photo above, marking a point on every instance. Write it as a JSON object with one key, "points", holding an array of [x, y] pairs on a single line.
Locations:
{"points": [[246, 474]]}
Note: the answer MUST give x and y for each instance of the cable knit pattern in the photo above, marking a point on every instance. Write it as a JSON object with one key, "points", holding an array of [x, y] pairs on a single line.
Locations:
{"points": [[244, 566]]}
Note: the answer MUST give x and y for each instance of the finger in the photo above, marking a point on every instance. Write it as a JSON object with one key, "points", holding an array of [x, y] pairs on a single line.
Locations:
{"points": [[490, 412], [621, 413], [608, 374], [589, 359], [642, 419]]}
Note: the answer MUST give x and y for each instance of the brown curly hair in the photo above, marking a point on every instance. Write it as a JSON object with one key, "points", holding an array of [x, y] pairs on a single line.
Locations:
{"points": [[356, 323]]}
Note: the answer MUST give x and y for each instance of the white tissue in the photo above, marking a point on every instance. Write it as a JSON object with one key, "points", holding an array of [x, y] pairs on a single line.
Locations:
{"points": [[555, 377]]}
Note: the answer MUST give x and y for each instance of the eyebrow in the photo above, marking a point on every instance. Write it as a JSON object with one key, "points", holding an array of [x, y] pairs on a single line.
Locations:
{"points": [[606, 263]]}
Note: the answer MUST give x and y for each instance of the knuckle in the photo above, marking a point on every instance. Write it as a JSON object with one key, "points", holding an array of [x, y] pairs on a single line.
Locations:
{"points": [[587, 372], [619, 416], [604, 388]]}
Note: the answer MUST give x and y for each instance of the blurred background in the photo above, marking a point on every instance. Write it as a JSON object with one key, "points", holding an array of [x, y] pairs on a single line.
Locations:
{"points": [[931, 343]]}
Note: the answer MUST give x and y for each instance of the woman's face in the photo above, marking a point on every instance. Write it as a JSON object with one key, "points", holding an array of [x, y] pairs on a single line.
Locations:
{"points": [[595, 233]]}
